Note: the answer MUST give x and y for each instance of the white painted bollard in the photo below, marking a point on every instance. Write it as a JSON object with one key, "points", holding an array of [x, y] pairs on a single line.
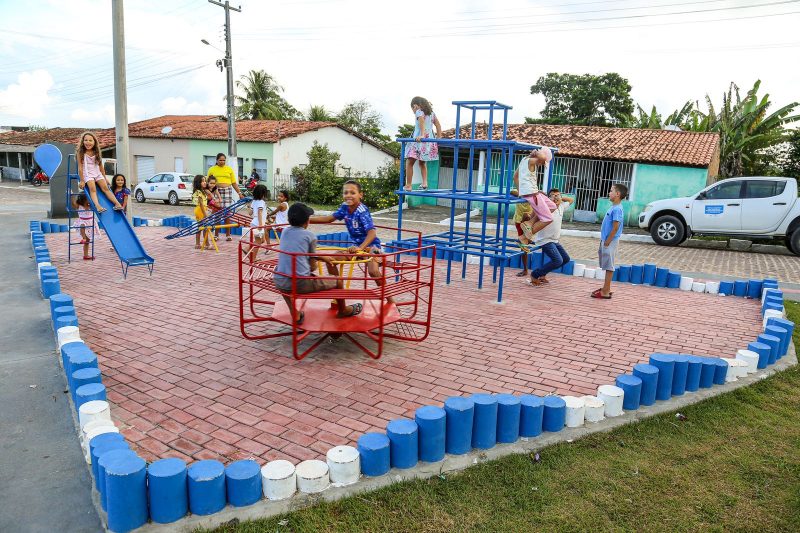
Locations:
{"points": [[473, 260], [39, 269], [344, 465], [736, 369], [278, 479], [698, 287], [92, 434], [712, 287], [771, 313], [751, 358], [595, 409], [67, 334], [588, 273], [312, 476], [612, 396], [686, 283], [93, 410], [578, 270], [575, 411]]}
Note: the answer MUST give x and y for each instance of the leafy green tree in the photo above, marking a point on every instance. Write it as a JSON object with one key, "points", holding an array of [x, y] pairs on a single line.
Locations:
{"points": [[746, 131], [318, 113], [317, 182], [262, 99], [362, 118], [379, 191], [405, 130], [585, 99]]}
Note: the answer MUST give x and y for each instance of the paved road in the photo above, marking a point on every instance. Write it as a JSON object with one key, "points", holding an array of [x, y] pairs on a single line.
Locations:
{"points": [[44, 480]]}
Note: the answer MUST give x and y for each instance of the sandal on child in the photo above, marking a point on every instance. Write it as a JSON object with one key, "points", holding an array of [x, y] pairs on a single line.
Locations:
{"points": [[357, 308], [598, 293], [423, 187], [300, 318], [536, 282], [101, 210], [229, 239], [88, 258], [522, 274], [118, 208]]}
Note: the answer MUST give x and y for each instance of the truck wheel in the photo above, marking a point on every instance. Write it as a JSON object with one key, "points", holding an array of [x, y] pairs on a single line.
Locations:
{"points": [[668, 230], [793, 242]]}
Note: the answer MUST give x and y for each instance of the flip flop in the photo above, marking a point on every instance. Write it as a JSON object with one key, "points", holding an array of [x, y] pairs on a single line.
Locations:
{"points": [[85, 258], [536, 282], [229, 239], [599, 295], [101, 210], [118, 208], [357, 308], [301, 318], [522, 274]]}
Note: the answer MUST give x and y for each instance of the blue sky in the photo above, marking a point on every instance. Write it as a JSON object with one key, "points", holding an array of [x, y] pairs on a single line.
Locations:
{"points": [[57, 66]]}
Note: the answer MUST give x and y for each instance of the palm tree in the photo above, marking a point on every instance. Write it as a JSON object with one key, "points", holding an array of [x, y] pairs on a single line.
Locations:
{"points": [[682, 118], [318, 113], [262, 98]]}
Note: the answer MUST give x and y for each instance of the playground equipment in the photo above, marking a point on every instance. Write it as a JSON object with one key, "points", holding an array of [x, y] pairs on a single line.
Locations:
{"points": [[489, 187], [216, 221], [115, 224], [408, 282]]}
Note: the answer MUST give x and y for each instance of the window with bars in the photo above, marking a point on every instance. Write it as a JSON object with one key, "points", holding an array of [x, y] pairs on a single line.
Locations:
{"points": [[587, 180]]}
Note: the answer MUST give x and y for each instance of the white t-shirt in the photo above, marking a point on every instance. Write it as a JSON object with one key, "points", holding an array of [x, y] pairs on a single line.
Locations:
{"points": [[552, 232], [282, 217], [258, 206], [528, 183]]}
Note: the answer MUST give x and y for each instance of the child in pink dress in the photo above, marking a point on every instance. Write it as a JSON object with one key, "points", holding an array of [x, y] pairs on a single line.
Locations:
{"points": [[85, 220], [525, 180], [424, 123]]}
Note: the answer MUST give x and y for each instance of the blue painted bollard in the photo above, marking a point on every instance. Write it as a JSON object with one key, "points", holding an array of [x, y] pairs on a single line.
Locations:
{"points": [[63, 310], [59, 300], [460, 414], [554, 416], [374, 449], [105, 455], [403, 442], [87, 393], [662, 274], [624, 275], [636, 274], [720, 370], [99, 446], [693, 372], [740, 288], [679, 374], [726, 288], [530, 416], [70, 350], [783, 336], [79, 358], [763, 350], [50, 287], [632, 388], [432, 422], [649, 376], [788, 325], [206, 487], [126, 485], [754, 288], [649, 273], [773, 305], [673, 280], [484, 425], [82, 377], [771, 299], [508, 414], [707, 373], [774, 344], [666, 366], [66, 320], [167, 490], [568, 269], [243, 482]]}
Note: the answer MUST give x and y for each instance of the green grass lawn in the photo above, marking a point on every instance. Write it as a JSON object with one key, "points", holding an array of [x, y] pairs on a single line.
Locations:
{"points": [[733, 464]]}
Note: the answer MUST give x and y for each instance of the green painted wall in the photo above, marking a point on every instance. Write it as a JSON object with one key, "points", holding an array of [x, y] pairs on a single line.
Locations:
{"points": [[245, 150], [656, 182], [433, 183]]}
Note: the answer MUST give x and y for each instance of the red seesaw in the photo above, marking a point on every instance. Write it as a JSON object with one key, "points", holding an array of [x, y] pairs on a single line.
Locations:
{"points": [[405, 277]]}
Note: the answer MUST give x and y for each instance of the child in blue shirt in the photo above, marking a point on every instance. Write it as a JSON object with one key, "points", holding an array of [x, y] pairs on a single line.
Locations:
{"points": [[358, 221], [610, 232]]}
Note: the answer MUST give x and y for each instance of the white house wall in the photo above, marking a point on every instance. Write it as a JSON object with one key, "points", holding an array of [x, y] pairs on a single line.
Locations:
{"points": [[358, 155], [164, 151]]}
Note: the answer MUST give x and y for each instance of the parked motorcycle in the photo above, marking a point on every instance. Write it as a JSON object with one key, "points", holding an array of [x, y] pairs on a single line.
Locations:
{"points": [[39, 179]]}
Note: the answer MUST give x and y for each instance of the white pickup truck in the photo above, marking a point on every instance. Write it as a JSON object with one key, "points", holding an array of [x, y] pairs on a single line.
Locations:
{"points": [[757, 207]]}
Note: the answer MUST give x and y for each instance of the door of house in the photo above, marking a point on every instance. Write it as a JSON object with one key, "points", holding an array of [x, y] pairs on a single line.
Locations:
{"points": [[145, 167], [261, 167], [179, 164]]}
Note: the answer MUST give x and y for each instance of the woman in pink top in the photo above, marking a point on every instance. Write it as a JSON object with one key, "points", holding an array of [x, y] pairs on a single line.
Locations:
{"points": [[91, 172]]}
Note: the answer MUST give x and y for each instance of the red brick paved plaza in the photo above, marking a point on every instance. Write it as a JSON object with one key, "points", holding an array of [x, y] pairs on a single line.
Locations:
{"points": [[183, 382]]}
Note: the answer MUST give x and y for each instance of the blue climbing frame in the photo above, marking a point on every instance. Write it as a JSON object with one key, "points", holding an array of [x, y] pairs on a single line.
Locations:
{"points": [[72, 212], [455, 244]]}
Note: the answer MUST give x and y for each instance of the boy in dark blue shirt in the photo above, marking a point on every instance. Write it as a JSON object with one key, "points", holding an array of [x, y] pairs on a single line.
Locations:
{"points": [[610, 232], [358, 221]]}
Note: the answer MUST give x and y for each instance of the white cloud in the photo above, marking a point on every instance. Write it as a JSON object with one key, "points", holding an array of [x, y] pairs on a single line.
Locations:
{"points": [[28, 97], [178, 105], [100, 115]]}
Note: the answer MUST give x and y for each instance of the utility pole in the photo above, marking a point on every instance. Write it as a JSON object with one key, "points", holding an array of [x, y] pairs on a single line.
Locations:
{"points": [[228, 62], [121, 96]]}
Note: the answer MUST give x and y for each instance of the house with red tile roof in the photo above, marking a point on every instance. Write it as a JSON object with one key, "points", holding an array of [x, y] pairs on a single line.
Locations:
{"points": [[654, 164], [190, 143]]}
